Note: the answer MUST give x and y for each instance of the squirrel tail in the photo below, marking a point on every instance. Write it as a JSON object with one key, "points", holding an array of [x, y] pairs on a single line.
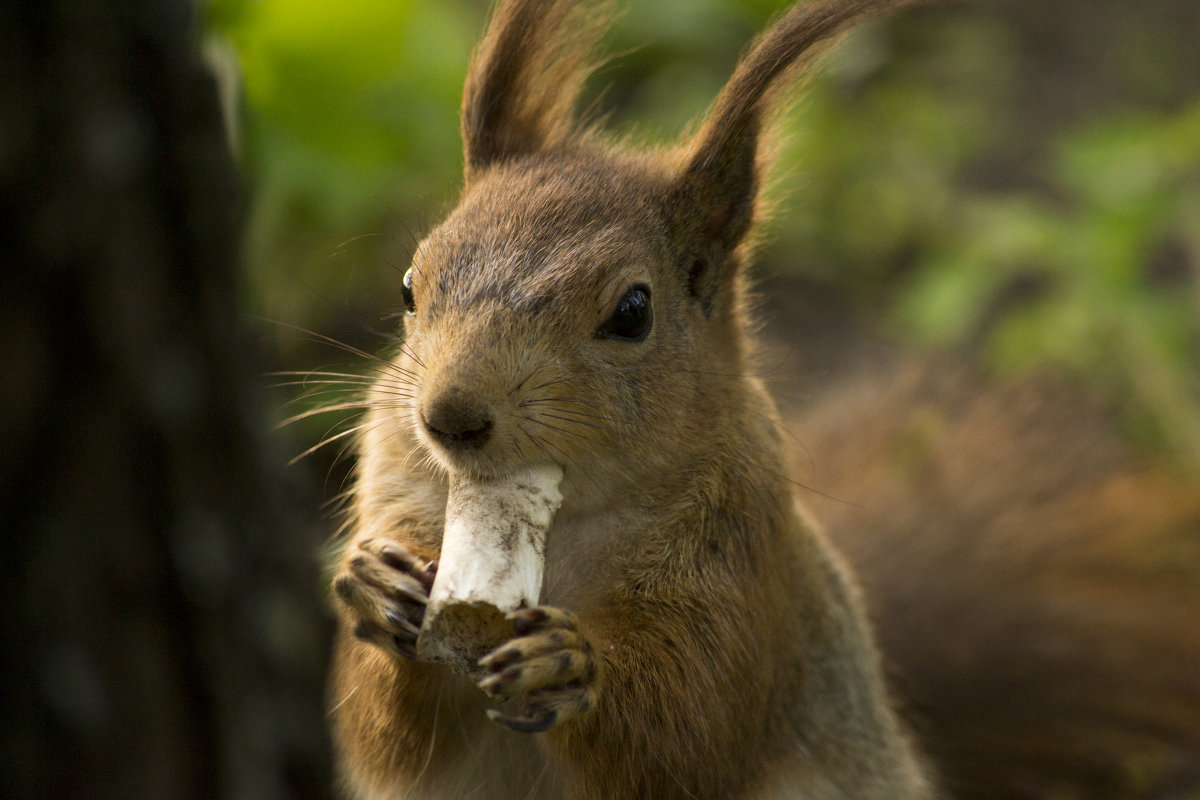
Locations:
{"points": [[1035, 586]]}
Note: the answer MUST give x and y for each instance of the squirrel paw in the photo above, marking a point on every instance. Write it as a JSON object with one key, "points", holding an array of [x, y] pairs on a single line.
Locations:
{"points": [[550, 662], [386, 588]]}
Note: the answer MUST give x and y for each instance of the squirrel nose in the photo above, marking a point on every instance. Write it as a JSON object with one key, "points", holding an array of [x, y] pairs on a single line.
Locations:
{"points": [[458, 421]]}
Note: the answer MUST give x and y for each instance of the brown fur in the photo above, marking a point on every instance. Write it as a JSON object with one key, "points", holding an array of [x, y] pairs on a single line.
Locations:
{"points": [[524, 79], [1036, 586], [699, 637]]}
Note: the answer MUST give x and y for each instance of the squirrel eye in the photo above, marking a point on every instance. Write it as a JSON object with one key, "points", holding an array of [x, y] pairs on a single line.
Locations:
{"points": [[406, 291], [632, 318]]}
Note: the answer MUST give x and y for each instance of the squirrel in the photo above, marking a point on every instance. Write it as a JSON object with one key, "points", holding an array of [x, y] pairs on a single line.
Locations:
{"points": [[586, 305], [1034, 578]]}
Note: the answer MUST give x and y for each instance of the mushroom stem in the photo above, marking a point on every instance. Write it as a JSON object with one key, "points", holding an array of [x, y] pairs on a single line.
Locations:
{"points": [[492, 560]]}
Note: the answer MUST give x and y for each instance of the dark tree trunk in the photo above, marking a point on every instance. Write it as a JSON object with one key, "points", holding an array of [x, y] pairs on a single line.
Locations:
{"points": [[163, 634]]}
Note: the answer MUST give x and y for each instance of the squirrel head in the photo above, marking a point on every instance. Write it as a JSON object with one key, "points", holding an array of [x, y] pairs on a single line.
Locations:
{"points": [[583, 300], [551, 317]]}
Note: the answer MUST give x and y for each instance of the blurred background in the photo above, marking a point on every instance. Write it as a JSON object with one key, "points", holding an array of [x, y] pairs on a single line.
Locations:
{"points": [[1015, 179], [982, 290]]}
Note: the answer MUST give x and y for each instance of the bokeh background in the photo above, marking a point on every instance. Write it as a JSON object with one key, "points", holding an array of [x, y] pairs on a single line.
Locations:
{"points": [[982, 289], [1017, 180]]}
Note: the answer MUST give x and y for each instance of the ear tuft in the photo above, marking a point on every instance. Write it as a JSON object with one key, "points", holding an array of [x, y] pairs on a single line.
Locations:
{"points": [[525, 77], [713, 199]]}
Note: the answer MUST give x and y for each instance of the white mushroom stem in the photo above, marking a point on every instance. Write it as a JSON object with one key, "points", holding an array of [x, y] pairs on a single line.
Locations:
{"points": [[492, 560]]}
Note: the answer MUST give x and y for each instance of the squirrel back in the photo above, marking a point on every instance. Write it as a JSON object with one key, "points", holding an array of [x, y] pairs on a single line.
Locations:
{"points": [[1035, 583], [583, 312]]}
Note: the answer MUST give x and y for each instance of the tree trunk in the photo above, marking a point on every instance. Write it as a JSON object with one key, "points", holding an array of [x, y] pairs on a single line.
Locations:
{"points": [[164, 634]]}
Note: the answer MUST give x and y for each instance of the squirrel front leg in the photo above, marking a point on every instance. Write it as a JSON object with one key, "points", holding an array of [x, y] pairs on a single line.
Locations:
{"points": [[385, 704], [385, 589], [640, 699], [551, 664]]}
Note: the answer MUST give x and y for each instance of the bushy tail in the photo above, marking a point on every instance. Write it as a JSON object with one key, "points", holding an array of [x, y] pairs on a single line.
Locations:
{"points": [[1035, 587]]}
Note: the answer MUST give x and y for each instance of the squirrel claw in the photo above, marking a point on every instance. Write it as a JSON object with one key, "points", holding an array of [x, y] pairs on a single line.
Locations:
{"points": [[527, 723], [385, 589], [551, 662]]}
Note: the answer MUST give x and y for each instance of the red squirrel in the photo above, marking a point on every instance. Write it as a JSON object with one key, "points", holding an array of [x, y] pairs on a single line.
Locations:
{"points": [[584, 309]]}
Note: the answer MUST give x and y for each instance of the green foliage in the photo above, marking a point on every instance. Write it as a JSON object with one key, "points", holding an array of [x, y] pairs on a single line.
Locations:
{"points": [[1110, 255], [876, 148], [923, 173], [350, 131]]}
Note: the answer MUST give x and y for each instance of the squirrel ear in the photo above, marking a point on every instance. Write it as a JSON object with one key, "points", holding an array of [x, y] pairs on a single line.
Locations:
{"points": [[524, 78], [713, 198]]}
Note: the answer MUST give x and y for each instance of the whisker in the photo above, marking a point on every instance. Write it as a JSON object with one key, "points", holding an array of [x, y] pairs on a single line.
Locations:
{"points": [[414, 449], [334, 708], [392, 368], [582, 415], [390, 397], [352, 394], [386, 365], [806, 487], [573, 421], [543, 444], [521, 453], [327, 440], [591, 403], [300, 373], [357, 405], [566, 433], [323, 339], [338, 250], [521, 383], [551, 382], [349, 389], [310, 397], [408, 351], [327, 386], [339, 500]]}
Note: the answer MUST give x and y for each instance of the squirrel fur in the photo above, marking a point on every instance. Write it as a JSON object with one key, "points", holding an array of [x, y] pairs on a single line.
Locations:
{"points": [[586, 304]]}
